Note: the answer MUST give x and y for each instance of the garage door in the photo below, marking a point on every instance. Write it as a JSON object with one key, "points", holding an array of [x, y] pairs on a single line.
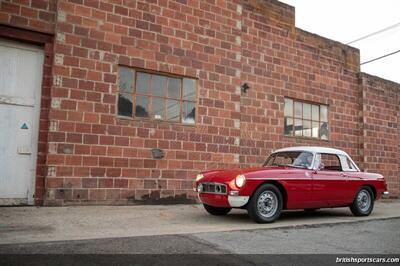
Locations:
{"points": [[20, 89]]}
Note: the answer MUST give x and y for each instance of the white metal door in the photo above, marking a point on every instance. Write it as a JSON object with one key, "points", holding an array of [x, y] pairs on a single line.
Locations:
{"points": [[20, 90]]}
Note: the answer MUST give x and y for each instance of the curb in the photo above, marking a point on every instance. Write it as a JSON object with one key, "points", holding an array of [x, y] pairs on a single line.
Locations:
{"points": [[317, 225]]}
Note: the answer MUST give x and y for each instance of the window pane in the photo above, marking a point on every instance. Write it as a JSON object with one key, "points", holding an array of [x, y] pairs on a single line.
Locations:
{"points": [[143, 83], [189, 89], [142, 106], [298, 127], [331, 162], [344, 162], [173, 110], [324, 113], [307, 111], [298, 109], [125, 105], [324, 133], [315, 129], [125, 78], [288, 126], [282, 159], [189, 113], [158, 85], [289, 107], [315, 112], [174, 88], [158, 108], [351, 165], [306, 128]]}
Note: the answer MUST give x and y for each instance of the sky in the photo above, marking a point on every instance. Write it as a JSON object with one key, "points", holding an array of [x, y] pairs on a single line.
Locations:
{"points": [[348, 20]]}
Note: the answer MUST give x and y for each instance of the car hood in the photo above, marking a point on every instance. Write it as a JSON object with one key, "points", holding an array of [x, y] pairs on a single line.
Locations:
{"points": [[224, 176]]}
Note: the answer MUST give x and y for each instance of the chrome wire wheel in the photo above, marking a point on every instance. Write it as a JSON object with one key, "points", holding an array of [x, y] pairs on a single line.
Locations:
{"points": [[364, 200], [363, 203], [267, 204]]}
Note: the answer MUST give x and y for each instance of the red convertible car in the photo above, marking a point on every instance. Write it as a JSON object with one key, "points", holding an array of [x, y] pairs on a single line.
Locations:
{"points": [[292, 178]]}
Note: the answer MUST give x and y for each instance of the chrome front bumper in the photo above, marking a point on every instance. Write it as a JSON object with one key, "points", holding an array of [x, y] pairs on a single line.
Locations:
{"points": [[238, 201], [385, 195]]}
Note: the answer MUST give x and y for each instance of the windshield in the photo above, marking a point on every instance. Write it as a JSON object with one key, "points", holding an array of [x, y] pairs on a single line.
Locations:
{"points": [[299, 159]]}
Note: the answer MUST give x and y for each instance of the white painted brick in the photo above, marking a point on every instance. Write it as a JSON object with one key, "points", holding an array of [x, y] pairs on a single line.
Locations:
{"points": [[238, 90], [52, 148], [238, 40], [237, 73], [55, 103], [60, 37], [57, 80], [53, 126], [238, 56], [59, 59], [237, 141], [236, 158], [239, 24], [61, 16], [239, 9], [237, 107], [51, 171], [236, 123], [101, 54]]}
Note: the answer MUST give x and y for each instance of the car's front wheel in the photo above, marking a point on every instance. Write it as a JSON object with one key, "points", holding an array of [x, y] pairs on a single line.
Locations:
{"points": [[216, 210], [363, 203], [266, 204]]}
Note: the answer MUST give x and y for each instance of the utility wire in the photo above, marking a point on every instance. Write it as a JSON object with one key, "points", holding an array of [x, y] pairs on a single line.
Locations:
{"points": [[383, 56], [375, 33]]}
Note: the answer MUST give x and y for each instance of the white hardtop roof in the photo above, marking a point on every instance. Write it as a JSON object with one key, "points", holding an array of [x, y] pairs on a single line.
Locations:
{"points": [[313, 150]]}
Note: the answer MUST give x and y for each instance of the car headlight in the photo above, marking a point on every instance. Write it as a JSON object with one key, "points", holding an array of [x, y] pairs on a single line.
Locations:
{"points": [[198, 177], [240, 181]]}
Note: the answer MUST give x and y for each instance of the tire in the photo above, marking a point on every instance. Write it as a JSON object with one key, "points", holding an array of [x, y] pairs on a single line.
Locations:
{"points": [[265, 205], [216, 210], [363, 203]]}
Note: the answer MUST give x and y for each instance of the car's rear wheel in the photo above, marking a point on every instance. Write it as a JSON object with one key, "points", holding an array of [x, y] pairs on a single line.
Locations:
{"points": [[363, 203], [266, 204], [216, 210]]}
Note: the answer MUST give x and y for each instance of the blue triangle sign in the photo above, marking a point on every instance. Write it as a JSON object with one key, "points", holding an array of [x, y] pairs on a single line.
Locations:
{"points": [[24, 126]]}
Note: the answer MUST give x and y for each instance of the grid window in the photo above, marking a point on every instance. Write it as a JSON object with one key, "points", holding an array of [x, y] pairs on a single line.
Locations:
{"points": [[304, 119], [156, 96]]}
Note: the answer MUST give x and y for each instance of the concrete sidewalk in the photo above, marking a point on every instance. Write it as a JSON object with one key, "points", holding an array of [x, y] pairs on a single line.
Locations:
{"points": [[36, 224]]}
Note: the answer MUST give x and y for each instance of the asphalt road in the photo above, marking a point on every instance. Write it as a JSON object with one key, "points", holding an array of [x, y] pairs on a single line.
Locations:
{"points": [[224, 248], [368, 237], [373, 237], [44, 224]]}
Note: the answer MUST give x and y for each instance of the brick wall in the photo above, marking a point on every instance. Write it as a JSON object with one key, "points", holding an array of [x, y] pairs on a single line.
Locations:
{"points": [[98, 157], [36, 15], [93, 157], [381, 114], [280, 61]]}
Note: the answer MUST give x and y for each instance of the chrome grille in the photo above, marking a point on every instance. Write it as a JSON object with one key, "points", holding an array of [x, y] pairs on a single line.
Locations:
{"points": [[215, 188]]}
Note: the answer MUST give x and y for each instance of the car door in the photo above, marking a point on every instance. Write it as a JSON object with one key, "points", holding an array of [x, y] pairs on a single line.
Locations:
{"points": [[20, 95], [354, 178], [330, 183]]}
